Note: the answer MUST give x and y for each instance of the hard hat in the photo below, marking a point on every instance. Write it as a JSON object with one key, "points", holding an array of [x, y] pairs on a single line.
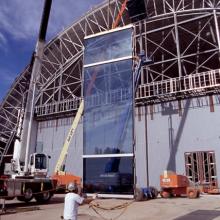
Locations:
{"points": [[71, 187]]}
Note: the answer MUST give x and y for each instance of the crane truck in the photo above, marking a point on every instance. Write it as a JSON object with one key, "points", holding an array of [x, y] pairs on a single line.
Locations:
{"points": [[26, 176]]}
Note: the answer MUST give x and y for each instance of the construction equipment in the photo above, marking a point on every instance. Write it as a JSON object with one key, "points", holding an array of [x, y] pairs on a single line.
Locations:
{"points": [[174, 185], [120, 14], [26, 176], [146, 193], [63, 178]]}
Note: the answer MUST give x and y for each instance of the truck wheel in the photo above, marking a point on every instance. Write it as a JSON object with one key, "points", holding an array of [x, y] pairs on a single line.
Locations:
{"points": [[198, 194], [192, 193], [165, 194], [43, 197], [20, 198], [139, 195], [27, 196], [154, 192]]}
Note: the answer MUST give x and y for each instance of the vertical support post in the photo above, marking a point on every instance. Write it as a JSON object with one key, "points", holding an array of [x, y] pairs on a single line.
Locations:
{"points": [[141, 49], [177, 44], [211, 104], [180, 110], [152, 112], [146, 141], [108, 14], [60, 85]]}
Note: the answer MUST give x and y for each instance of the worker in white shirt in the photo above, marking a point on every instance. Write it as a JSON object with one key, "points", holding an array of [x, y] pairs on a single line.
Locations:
{"points": [[72, 201]]}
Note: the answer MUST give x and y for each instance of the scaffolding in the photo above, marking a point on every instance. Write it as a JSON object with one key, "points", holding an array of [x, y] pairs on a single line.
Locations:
{"points": [[180, 87]]}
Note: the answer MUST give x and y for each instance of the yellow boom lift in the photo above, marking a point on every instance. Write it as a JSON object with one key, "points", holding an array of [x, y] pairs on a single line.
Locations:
{"points": [[60, 175]]}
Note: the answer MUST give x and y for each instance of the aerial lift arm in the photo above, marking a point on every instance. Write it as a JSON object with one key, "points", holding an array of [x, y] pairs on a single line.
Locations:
{"points": [[63, 178], [63, 154]]}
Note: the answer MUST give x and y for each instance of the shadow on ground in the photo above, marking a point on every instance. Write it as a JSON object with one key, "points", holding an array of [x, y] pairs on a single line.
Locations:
{"points": [[14, 206], [200, 215]]}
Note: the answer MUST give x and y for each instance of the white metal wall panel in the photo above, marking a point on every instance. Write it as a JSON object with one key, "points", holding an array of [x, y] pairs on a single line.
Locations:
{"points": [[52, 134], [197, 130]]}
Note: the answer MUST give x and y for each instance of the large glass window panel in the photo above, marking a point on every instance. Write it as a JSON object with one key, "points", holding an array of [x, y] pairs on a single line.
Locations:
{"points": [[108, 130], [108, 175], [108, 46], [107, 79], [108, 114], [108, 111]]}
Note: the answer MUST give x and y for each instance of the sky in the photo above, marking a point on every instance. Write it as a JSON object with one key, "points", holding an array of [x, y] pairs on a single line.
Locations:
{"points": [[19, 27]]}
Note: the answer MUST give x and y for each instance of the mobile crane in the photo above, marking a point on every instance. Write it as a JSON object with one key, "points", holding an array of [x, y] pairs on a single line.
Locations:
{"points": [[26, 176]]}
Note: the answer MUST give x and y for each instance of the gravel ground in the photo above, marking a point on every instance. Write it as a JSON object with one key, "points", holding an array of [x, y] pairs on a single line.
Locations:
{"points": [[207, 207]]}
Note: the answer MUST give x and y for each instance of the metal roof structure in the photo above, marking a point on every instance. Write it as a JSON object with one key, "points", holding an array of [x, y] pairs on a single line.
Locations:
{"points": [[180, 36]]}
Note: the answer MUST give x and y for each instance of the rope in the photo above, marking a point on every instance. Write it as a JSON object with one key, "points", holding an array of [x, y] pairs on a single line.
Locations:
{"points": [[96, 206]]}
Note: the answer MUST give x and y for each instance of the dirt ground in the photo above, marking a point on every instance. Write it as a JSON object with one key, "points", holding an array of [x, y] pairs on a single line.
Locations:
{"points": [[207, 207]]}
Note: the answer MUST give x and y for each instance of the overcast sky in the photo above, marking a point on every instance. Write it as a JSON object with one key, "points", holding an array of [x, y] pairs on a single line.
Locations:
{"points": [[19, 26]]}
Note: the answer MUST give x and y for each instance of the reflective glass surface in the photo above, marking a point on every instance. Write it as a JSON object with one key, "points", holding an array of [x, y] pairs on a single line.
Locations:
{"points": [[108, 111], [108, 46], [108, 175], [40, 161], [108, 114]]}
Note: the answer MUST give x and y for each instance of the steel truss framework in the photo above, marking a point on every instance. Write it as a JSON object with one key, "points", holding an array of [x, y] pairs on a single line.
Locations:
{"points": [[184, 46], [181, 37], [201, 168]]}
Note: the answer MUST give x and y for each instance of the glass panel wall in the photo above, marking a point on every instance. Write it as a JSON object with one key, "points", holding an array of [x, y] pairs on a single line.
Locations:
{"points": [[108, 126], [108, 175], [108, 47], [108, 114]]}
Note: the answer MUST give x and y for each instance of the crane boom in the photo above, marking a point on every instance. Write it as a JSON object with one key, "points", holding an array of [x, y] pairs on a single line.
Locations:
{"points": [[120, 14], [29, 110]]}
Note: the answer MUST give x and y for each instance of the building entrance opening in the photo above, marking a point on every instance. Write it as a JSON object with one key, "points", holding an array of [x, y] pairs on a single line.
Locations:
{"points": [[201, 168]]}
